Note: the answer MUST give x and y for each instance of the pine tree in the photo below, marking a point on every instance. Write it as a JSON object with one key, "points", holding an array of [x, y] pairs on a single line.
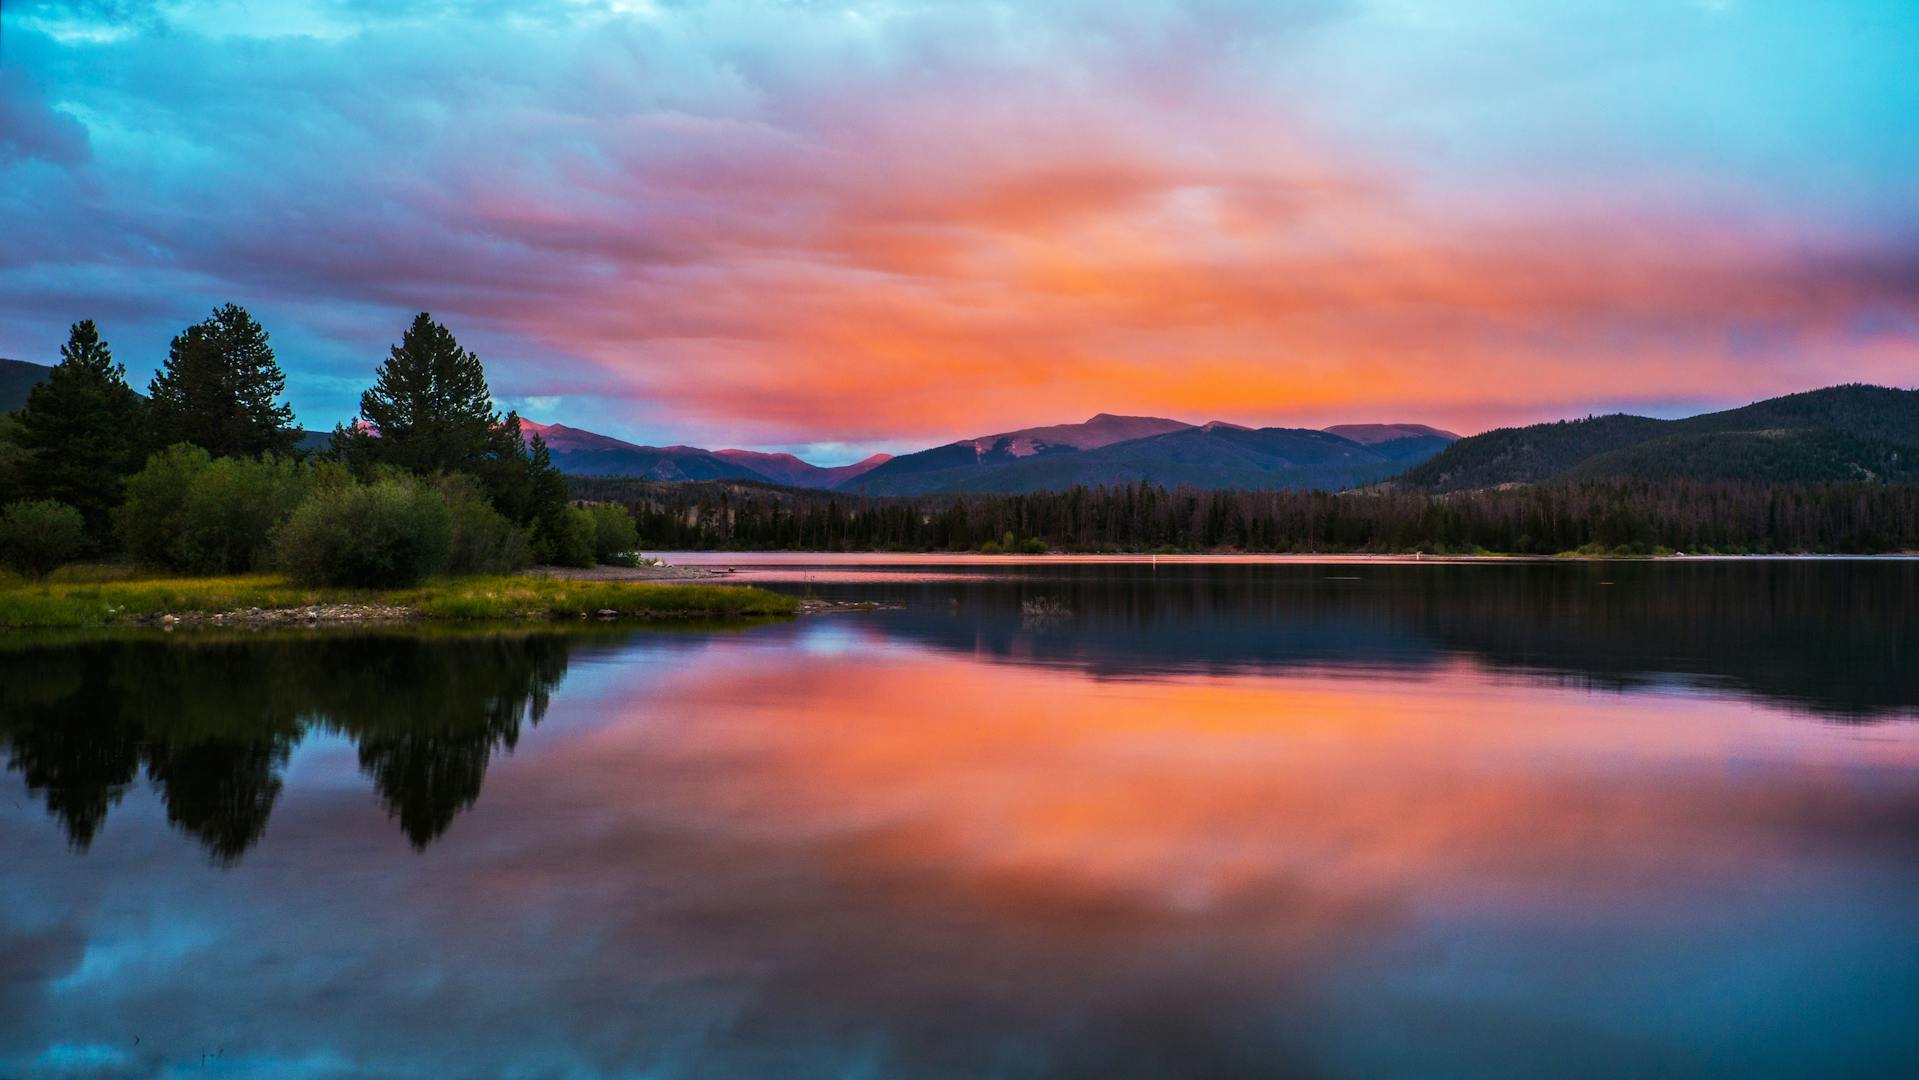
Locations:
{"points": [[82, 430], [549, 494], [220, 387], [430, 406], [548, 502], [430, 411]]}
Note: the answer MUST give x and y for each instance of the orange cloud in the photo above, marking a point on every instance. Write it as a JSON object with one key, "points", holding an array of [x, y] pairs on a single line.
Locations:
{"points": [[908, 290]]}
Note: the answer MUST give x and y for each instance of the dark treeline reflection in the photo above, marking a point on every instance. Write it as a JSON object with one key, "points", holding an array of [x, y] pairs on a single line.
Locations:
{"points": [[212, 722], [1840, 638]]}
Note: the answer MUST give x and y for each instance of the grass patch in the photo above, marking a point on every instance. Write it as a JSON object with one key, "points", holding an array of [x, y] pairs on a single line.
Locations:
{"points": [[469, 599], [85, 597]]}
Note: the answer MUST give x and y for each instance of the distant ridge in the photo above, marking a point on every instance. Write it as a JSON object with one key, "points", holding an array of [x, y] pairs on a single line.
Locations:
{"points": [[964, 464], [1105, 449], [1115, 450], [1369, 434], [17, 380], [1851, 432], [797, 472], [586, 453]]}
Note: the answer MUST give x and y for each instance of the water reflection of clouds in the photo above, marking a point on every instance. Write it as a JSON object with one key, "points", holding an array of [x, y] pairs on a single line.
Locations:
{"points": [[775, 860], [848, 844]]}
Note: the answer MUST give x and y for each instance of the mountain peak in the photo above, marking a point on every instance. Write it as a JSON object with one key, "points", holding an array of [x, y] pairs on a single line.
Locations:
{"points": [[797, 471], [1370, 434]]}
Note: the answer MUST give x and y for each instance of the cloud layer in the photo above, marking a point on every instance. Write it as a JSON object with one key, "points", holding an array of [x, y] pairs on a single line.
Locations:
{"points": [[887, 224]]}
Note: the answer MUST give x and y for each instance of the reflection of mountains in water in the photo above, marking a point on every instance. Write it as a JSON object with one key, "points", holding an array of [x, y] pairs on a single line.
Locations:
{"points": [[212, 722], [1837, 638]]}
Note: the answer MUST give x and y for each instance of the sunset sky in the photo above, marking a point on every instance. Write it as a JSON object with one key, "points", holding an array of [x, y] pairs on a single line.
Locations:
{"points": [[841, 227]]}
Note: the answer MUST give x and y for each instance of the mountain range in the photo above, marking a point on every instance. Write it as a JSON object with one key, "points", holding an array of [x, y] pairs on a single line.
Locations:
{"points": [[1853, 432], [1114, 450], [584, 453], [1105, 449]]}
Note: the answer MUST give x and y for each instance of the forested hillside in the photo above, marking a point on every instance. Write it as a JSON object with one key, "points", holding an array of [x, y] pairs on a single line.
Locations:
{"points": [[1841, 433], [1613, 516]]}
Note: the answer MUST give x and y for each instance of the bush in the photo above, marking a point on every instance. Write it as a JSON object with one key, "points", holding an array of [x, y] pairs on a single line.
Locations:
{"points": [[156, 502], [389, 533], [614, 532], [37, 537], [481, 539], [566, 538], [189, 511]]}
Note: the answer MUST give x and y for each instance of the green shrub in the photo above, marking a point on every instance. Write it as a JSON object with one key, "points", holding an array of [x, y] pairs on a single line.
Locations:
{"points": [[385, 534], [566, 538], [156, 499], [481, 539], [37, 537], [192, 512], [614, 532]]}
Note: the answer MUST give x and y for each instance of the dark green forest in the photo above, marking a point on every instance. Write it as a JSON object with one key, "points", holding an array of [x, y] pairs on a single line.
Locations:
{"points": [[1831, 435], [1609, 517]]}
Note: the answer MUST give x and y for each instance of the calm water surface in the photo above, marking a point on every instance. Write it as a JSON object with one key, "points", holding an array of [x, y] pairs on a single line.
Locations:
{"points": [[1045, 819]]}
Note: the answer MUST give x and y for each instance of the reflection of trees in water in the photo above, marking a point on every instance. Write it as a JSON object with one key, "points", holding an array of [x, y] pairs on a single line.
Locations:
{"points": [[220, 790], [213, 723], [426, 779], [1835, 638], [427, 718]]}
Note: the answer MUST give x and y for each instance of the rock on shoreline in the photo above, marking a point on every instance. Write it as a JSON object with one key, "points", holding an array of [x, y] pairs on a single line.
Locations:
{"points": [[310, 615]]}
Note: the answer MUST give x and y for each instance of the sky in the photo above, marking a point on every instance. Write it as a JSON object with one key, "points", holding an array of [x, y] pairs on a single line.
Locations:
{"points": [[843, 227]]}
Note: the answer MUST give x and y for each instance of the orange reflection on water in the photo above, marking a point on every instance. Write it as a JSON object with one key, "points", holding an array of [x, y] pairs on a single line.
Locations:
{"points": [[1015, 784]]}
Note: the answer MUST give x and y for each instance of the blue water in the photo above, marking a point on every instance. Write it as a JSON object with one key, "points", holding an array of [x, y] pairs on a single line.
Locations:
{"points": [[1033, 820]]}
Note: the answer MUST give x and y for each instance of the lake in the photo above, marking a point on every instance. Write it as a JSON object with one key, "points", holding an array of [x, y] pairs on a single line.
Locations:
{"points": [[1037, 818]]}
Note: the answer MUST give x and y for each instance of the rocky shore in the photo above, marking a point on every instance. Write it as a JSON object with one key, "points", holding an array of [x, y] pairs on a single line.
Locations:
{"points": [[313, 615], [386, 614]]}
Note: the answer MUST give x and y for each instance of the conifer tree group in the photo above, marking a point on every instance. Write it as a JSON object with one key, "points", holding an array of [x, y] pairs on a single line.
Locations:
{"points": [[430, 413]]}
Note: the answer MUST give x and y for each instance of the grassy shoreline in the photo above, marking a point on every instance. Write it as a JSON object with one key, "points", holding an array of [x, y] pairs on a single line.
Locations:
{"points": [[101, 597]]}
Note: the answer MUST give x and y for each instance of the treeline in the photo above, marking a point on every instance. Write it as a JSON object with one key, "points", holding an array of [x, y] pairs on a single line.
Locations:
{"points": [[202, 475], [1612, 517]]}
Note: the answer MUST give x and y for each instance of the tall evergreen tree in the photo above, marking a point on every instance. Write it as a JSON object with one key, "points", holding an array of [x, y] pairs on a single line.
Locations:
{"points": [[220, 389], [547, 496], [429, 409], [82, 430]]}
